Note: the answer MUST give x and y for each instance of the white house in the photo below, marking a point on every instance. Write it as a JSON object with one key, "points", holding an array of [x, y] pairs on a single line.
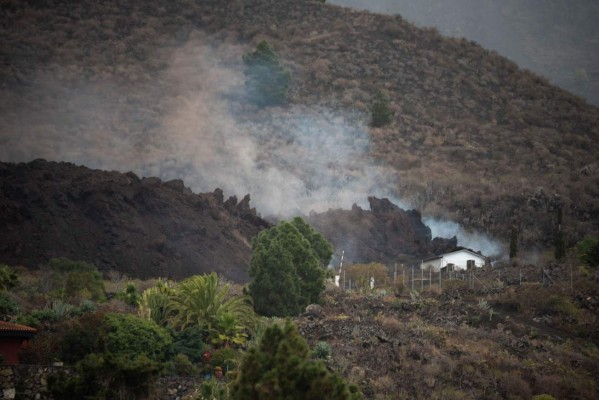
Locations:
{"points": [[460, 259]]}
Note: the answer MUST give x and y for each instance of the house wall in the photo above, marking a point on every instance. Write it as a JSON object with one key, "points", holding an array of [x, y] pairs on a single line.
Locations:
{"points": [[9, 348], [459, 259]]}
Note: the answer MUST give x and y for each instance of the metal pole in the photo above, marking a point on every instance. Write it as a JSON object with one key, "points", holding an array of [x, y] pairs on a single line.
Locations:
{"points": [[421, 279], [571, 283], [412, 278], [395, 274], [430, 277]]}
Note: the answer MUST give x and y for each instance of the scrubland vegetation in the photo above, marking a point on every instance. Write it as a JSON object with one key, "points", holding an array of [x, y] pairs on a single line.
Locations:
{"points": [[496, 339]]}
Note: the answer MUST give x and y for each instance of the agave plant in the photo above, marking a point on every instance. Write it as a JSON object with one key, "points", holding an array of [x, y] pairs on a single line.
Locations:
{"points": [[155, 304]]}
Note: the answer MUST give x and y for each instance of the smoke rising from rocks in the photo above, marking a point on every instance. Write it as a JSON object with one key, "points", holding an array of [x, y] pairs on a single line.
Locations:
{"points": [[191, 121]]}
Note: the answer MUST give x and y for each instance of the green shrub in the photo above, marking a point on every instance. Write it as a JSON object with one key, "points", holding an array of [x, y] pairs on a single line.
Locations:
{"points": [[128, 335], [280, 368], [588, 251], [380, 113], [182, 366], [107, 376], [286, 268], [8, 277], [267, 81], [75, 280], [8, 307], [322, 350], [560, 306]]}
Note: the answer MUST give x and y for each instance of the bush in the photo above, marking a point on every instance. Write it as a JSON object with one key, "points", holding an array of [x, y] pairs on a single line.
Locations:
{"points": [[588, 251], [267, 81], [361, 275], [286, 268], [75, 280], [279, 368], [322, 350], [128, 335], [8, 307], [380, 113]]}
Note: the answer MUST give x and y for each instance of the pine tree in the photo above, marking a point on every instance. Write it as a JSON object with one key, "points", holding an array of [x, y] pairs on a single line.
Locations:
{"points": [[279, 367], [286, 270], [267, 81]]}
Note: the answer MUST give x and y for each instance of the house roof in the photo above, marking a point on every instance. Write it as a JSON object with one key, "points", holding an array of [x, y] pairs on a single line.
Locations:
{"points": [[456, 251], [12, 328]]}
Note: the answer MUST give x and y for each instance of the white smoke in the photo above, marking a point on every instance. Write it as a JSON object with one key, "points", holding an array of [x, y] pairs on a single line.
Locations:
{"points": [[470, 239], [192, 122]]}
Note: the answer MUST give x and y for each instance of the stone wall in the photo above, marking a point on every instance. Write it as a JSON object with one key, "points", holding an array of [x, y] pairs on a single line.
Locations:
{"points": [[28, 381], [31, 382]]}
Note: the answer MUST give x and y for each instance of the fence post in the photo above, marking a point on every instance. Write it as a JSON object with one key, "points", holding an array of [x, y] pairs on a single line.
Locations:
{"points": [[430, 277]]}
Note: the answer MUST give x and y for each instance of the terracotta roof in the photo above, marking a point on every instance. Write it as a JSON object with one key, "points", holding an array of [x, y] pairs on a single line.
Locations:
{"points": [[10, 327]]}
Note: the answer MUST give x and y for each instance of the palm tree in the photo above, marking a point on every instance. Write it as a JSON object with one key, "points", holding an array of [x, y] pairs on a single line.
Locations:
{"points": [[201, 300]]}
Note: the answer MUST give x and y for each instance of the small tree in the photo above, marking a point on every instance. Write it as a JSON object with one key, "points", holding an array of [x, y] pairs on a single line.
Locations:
{"points": [[267, 81], [361, 274], [8, 277], [279, 367], [286, 269], [380, 112], [588, 250]]}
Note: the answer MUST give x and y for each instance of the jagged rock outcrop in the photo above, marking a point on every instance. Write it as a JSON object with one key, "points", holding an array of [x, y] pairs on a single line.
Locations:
{"points": [[385, 233], [142, 227]]}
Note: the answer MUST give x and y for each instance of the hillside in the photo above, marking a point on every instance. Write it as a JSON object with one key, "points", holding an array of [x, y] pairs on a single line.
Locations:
{"points": [[554, 39], [157, 88], [141, 227], [385, 233], [146, 228]]}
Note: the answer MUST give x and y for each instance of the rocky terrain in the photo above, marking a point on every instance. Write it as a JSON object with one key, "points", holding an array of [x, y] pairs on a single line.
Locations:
{"points": [[141, 227], [446, 344], [385, 233]]}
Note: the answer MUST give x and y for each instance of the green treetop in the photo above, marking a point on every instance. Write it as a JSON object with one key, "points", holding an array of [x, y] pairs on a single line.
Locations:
{"points": [[267, 80], [279, 367], [286, 268]]}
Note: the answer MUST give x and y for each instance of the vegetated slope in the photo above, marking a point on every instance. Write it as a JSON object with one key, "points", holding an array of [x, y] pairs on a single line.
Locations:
{"points": [[457, 342], [140, 227], [385, 233], [473, 137], [555, 39]]}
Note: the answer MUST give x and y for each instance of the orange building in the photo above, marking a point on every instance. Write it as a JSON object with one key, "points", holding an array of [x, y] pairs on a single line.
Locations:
{"points": [[13, 338]]}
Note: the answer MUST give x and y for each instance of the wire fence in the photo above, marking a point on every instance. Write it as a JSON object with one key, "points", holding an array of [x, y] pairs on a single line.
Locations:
{"points": [[414, 278]]}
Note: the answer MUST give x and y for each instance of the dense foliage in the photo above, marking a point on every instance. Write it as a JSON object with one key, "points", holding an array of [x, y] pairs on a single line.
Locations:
{"points": [[286, 268], [280, 368], [75, 280], [588, 250]]}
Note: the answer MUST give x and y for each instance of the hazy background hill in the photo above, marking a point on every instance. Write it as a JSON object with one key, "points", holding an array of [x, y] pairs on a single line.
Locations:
{"points": [[156, 87], [554, 38]]}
